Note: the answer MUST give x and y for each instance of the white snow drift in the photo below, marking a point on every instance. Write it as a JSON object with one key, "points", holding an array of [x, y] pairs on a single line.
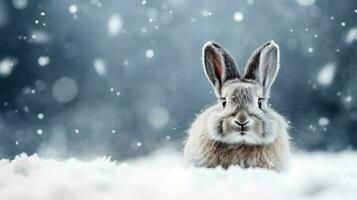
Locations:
{"points": [[166, 176]]}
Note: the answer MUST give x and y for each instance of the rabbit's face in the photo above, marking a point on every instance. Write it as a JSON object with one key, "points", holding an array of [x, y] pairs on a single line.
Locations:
{"points": [[242, 115]]}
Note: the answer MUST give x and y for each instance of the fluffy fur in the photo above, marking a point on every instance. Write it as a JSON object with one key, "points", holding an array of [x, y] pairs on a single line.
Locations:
{"points": [[241, 129]]}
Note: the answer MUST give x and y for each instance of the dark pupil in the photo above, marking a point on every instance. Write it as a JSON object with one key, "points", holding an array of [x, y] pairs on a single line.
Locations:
{"points": [[223, 100], [224, 103], [260, 103]]}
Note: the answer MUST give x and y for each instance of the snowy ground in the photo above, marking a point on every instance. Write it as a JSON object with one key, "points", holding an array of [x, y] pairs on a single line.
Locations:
{"points": [[165, 176]]}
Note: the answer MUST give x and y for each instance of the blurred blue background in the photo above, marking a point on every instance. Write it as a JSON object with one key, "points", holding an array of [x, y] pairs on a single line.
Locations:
{"points": [[123, 78]]}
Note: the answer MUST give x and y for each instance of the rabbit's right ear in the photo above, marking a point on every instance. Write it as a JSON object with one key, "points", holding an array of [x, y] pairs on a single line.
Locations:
{"points": [[263, 66], [219, 66]]}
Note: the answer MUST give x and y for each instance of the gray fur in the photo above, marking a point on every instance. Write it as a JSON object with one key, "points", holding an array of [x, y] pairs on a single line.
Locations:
{"points": [[215, 139]]}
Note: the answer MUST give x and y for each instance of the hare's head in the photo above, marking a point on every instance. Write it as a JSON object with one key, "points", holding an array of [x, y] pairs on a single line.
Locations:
{"points": [[242, 114]]}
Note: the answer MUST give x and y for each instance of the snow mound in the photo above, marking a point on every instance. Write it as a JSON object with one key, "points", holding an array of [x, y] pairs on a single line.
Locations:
{"points": [[166, 176]]}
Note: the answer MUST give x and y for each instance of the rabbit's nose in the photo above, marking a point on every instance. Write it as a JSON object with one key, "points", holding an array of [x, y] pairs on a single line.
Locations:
{"points": [[241, 124]]}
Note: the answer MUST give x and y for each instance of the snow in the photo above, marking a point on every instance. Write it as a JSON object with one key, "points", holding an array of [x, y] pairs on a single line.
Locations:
{"points": [[19, 4], [73, 9], [40, 37], [115, 24], [250, 2], [326, 74], [238, 16], [149, 53], [306, 2], [40, 116], [7, 65], [43, 60], [323, 121], [100, 66], [126, 62], [205, 13], [351, 35], [39, 131], [348, 99], [314, 176]]}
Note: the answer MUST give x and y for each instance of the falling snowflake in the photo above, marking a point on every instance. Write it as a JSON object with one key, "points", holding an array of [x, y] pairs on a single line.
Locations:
{"points": [[19, 4], [40, 115], [306, 2], [149, 53], [326, 74], [39, 131], [73, 9], [250, 2], [7, 65], [351, 35], [348, 99], [115, 24], [206, 13], [43, 60], [100, 66], [312, 127], [238, 16], [126, 62], [323, 121]]}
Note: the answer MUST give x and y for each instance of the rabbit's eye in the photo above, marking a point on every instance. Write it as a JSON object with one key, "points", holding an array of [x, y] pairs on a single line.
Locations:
{"points": [[260, 102], [223, 101]]}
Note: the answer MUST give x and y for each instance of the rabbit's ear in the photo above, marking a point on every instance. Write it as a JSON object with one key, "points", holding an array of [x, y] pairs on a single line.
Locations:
{"points": [[263, 65], [219, 66]]}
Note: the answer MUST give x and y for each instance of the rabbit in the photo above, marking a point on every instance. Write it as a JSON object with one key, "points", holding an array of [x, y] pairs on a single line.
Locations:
{"points": [[240, 129]]}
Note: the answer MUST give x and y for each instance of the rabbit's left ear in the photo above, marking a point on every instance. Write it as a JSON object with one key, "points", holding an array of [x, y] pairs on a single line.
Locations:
{"points": [[263, 65], [219, 66]]}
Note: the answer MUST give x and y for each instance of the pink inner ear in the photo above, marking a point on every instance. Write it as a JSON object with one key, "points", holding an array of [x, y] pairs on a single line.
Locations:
{"points": [[218, 70]]}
